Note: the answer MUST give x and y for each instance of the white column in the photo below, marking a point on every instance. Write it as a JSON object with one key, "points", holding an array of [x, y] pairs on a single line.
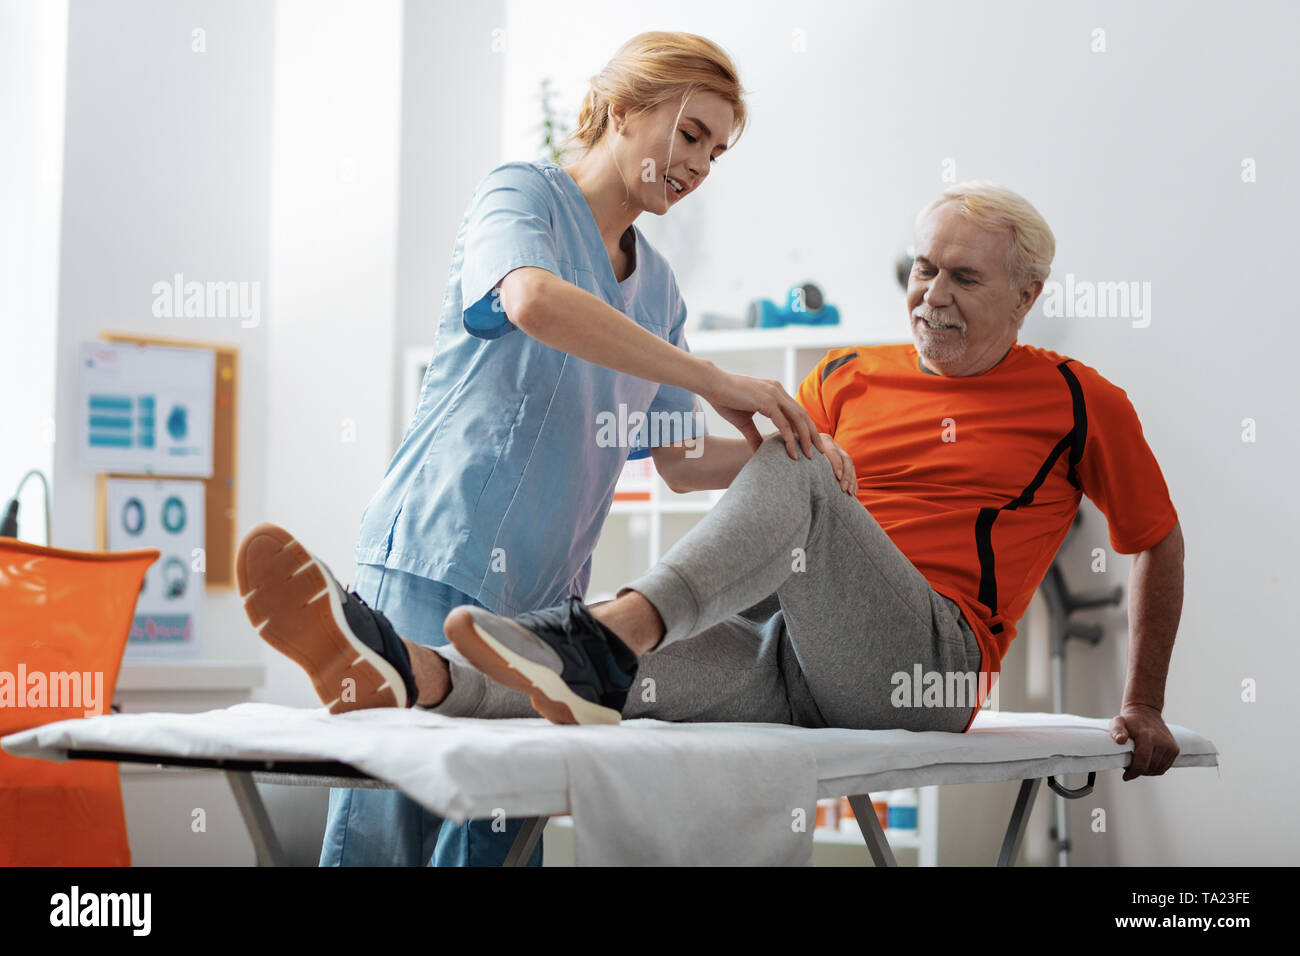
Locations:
{"points": [[33, 59], [335, 147]]}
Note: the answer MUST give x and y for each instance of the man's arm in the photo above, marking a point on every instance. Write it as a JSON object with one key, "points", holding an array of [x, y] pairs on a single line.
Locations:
{"points": [[1155, 605]]}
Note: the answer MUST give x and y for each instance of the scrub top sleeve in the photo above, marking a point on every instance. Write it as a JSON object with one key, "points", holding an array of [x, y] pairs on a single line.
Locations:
{"points": [[680, 413], [510, 224]]}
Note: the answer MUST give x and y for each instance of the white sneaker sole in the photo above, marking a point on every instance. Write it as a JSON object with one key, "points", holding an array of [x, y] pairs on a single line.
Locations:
{"points": [[550, 695]]}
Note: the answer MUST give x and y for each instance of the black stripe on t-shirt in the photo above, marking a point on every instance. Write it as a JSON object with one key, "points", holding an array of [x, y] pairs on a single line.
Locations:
{"points": [[1079, 437], [1073, 440], [832, 366]]}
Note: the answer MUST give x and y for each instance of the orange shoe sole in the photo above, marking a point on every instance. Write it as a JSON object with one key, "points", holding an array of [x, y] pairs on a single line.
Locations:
{"points": [[293, 606]]}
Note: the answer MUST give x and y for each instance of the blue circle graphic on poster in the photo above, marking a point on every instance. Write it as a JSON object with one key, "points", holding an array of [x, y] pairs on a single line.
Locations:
{"points": [[133, 516], [177, 426], [173, 514]]}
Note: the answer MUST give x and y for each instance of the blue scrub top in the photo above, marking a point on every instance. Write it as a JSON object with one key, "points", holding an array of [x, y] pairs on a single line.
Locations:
{"points": [[502, 481]]}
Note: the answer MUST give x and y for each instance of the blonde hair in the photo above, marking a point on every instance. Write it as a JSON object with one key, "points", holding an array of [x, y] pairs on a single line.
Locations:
{"points": [[1032, 246], [651, 69]]}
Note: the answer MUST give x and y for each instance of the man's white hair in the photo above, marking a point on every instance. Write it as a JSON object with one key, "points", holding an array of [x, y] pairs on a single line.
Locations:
{"points": [[1032, 246]]}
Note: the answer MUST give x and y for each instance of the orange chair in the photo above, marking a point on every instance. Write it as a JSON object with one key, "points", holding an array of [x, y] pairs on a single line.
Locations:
{"points": [[62, 612]]}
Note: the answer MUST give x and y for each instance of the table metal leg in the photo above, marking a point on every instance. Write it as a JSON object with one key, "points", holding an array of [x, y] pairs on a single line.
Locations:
{"points": [[522, 849], [256, 819], [869, 824], [1019, 820]]}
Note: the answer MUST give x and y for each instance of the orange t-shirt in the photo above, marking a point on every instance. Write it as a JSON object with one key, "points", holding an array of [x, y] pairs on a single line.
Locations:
{"points": [[977, 479]]}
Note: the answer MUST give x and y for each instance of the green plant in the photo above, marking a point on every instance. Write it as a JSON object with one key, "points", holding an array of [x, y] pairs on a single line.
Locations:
{"points": [[552, 129]]}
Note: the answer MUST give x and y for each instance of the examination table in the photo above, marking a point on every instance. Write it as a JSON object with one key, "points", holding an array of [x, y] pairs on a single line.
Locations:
{"points": [[643, 792]]}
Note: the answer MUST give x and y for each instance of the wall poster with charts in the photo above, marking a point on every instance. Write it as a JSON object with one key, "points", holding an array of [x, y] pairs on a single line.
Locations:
{"points": [[167, 515]]}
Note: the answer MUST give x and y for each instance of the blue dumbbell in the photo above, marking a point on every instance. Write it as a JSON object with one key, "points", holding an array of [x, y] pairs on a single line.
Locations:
{"points": [[805, 305]]}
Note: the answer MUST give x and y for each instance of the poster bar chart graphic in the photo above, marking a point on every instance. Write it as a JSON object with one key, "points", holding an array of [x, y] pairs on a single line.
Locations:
{"points": [[146, 409], [121, 421]]}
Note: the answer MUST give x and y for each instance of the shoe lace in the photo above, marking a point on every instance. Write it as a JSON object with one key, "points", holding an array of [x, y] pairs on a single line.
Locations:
{"points": [[574, 621], [379, 616], [565, 622]]}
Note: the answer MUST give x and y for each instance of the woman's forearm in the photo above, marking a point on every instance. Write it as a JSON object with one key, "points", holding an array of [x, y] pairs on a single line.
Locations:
{"points": [[716, 468], [719, 465], [565, 317]]}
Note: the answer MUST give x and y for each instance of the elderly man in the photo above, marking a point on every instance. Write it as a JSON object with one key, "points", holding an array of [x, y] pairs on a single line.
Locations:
{"points": [[890, 607]]}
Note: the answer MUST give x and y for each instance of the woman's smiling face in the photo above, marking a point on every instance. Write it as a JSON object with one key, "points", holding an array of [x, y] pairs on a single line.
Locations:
{"points": [[666, 153]]}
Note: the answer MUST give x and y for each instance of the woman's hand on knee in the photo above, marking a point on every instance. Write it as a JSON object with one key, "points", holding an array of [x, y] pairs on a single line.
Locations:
{"points": [[738, 398]]}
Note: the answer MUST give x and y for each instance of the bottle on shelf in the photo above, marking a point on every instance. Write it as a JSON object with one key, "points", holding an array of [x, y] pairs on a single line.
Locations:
{"points": [[902, 809], [828, 814]]}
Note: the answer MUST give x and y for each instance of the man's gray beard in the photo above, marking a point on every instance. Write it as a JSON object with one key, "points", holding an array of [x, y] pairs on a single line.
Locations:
{"points": [[934, 355]]}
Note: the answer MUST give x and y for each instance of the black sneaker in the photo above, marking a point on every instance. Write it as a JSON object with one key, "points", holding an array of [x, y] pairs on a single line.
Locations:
{"points": [[574, 668], [300, 609]]}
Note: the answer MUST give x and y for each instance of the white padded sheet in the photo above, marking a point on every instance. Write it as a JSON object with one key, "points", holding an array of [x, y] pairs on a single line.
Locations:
{"points": [[645, 787]]}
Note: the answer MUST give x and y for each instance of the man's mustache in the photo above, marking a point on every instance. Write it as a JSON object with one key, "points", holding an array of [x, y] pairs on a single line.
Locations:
{"points": [[933, 315]]}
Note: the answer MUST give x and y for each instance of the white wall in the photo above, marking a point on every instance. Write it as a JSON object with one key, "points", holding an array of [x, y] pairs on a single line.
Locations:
{"points": [[277, 156], [273, 157], [166, 170], [1134, 156], [452, 79], [330, 343], [33, 49]]}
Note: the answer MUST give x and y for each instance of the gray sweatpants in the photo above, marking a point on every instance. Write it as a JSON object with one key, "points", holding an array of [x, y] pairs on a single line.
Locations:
{"points": [[786, 604]]}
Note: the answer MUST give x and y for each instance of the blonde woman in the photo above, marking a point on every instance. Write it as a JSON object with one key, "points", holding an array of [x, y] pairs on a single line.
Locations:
{"points": [[557, 314]]}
